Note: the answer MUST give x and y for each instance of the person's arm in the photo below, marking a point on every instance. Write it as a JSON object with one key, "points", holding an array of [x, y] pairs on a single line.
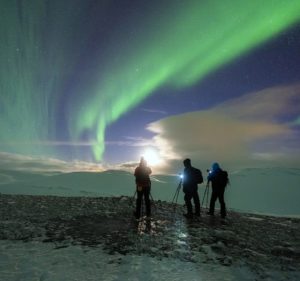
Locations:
{"points": [[149, 173], [137, 171]]}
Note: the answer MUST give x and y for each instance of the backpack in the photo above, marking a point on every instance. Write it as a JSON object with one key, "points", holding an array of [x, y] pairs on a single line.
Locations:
{"points": [[198, 176], [223, 179]]}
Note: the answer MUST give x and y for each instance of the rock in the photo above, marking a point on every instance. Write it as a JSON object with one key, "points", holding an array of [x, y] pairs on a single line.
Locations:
{"points": [[124, 199], [226, 261], [225, 235], [219, 247], [283, 251]]}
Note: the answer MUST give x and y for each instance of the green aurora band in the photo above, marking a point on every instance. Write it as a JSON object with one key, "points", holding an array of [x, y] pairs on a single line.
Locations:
{"points": [[175, 45]]}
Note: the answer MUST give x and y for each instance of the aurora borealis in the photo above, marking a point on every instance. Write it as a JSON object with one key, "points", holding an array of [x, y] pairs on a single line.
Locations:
{"points": [[71, 69]]}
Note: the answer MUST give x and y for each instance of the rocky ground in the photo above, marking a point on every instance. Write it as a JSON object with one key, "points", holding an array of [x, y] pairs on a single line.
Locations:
{"points": [[262, 243]]}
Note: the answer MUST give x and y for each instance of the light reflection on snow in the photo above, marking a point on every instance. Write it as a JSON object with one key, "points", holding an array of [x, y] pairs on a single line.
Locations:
{"points": [[146, 227], [181, 242], [182, 235]]}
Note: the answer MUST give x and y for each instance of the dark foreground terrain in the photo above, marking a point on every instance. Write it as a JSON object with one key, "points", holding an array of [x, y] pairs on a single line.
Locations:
{"points": [[262, 243]]}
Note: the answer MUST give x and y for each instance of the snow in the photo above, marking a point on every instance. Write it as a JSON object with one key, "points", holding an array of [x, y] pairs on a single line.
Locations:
{"points": [[34, 261], [79, 226], [268, 191], [89, 238]]}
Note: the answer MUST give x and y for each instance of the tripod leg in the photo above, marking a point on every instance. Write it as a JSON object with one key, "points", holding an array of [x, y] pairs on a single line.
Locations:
{"points": [[132, 198], [177, 195], [152, 200], [207, 196], [204, 196], [173, 200], [176, 198]]}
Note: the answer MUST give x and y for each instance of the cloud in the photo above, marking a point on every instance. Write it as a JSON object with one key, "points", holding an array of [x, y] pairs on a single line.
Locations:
{"points": [[249, 130], [45, 165], [137, 141], [268, 104], [129, 141], [128, 166], [18, 162], [154, 111]]}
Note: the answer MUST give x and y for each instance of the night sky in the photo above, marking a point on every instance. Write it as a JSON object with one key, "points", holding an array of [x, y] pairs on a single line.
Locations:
{"points": [[105, 81]]}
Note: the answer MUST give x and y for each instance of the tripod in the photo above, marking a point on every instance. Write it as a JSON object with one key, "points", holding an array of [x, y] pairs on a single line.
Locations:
{"points": [[175, 197], [206, 193]]}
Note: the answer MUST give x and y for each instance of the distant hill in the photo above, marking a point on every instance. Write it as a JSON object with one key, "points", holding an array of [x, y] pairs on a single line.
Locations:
{"points": [[272, 191]]}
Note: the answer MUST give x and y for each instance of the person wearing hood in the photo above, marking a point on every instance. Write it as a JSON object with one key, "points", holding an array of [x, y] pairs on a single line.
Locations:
{"points": [[219, 180], [143, 186]]}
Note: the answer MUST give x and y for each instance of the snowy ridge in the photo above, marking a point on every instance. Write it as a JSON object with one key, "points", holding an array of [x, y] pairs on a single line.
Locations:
{"points": [[263, 190], [102, 232]]}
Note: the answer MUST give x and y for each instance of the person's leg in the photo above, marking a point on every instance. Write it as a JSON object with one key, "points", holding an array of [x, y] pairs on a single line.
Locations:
{"points": [[197, 203], [213, 199], [147, 200], [222, 203], [138, 204], [188, 203]]}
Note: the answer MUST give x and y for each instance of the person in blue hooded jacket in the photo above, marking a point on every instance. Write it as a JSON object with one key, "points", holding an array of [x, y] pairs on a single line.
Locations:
{"points": [[219, 180]]}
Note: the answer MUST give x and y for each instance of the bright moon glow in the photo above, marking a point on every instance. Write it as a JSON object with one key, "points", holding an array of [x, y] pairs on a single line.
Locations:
{"points": [[152, 157]]}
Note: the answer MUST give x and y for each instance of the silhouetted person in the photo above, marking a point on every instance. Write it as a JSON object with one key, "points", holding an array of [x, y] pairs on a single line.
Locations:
{"points": [[143, 186], [219, 180], [190, 188]]}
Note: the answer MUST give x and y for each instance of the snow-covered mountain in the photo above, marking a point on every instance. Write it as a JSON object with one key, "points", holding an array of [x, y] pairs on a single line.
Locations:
{"points": [[270, 190]]}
